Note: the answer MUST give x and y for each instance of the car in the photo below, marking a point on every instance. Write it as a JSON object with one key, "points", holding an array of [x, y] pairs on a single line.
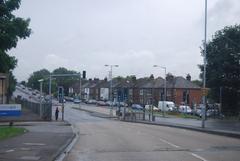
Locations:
{"points": [[120, 104], [76, 101], [101, 103], [91, 101], [137, 107], [109, 103], [69, 99], [185, 109], [148, 107]]}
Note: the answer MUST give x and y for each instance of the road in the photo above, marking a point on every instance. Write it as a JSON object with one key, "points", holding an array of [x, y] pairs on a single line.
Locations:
{"points": [[110, 140]]}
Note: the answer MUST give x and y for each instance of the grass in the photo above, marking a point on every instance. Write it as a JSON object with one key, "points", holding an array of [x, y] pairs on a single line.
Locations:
{"points": [[8, 132]]}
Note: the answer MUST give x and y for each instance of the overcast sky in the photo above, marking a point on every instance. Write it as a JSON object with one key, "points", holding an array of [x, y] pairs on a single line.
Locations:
{"points": [[135, 34]]}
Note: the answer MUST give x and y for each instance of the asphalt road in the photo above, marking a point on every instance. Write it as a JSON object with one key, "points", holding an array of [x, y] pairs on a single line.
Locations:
{"points": [[109, 140]]}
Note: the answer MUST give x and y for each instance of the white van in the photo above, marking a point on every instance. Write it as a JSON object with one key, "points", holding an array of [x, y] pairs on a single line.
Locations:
{"points": [[166, 105]]}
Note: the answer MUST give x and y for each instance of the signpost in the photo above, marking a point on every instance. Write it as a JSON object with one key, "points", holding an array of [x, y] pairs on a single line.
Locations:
{"points": [[10, 110], [61, 99]]}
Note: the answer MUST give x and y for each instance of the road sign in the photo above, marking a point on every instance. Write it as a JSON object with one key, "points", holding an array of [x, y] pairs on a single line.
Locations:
{"points": [[10, 110]]}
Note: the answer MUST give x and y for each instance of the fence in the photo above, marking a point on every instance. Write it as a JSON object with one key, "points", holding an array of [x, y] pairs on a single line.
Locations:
{"points": [[35, 108]]}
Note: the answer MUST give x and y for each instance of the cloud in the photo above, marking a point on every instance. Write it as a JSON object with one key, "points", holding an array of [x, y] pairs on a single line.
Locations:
{"points": [[52, 61], [223, 13], [136, 34]]}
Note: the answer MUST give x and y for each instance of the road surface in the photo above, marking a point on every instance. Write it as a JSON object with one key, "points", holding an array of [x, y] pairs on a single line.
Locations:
{"points": [[109, 140]]}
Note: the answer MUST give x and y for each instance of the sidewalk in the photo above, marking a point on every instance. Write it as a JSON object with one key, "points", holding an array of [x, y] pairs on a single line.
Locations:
{"points": [[219, 127], [44, 141]]}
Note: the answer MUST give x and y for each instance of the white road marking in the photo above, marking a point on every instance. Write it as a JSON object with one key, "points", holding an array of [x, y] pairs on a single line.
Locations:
{"points": [[165, 141], [11, 150], [37, 144], [199, 157]]}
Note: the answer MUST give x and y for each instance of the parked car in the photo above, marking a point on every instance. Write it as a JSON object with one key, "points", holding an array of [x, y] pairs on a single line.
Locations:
{"points": [[166, 106], [148, 107], [185, 109], [122, 104], [69, 99], [137, 107], [76, 101], [109, 103], [101, 103], [91, 101]]}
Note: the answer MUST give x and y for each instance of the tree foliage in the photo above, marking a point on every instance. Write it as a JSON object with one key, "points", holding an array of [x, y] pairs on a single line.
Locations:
{"points": [[66, 82], [12, 29], [223, 67], [37, 75]]}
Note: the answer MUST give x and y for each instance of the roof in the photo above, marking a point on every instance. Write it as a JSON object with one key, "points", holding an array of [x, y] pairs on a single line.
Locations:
{"points": [[180, 82]]}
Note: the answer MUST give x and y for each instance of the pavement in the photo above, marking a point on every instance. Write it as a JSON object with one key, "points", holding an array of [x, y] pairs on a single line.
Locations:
{"points": [[43, 141], [213, 126]]}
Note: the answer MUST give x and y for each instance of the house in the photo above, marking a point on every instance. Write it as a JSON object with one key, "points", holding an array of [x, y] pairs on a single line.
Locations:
{"points": [[143, 90], [103, 89]]}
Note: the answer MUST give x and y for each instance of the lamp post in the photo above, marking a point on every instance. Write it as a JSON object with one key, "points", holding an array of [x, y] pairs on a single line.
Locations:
{"points": [[41, 82], [111, 91], [204, 68], [165, 87]]}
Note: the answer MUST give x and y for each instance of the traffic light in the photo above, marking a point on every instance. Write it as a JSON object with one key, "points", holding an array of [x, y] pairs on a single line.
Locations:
{"points": [[84, 74], [60, 94]]}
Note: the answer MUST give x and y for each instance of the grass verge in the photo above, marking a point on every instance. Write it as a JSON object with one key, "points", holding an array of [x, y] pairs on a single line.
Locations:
{"points": [[8, 132]]}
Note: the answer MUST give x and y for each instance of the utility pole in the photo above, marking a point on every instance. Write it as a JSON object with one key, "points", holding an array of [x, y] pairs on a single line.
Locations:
{"points": [[41, 112], [80, 88], [111, 90], [204, 69], [165, 87]]}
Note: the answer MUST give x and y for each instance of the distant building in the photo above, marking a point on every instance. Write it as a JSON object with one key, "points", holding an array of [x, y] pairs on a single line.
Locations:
{"points": [[143, 90]]}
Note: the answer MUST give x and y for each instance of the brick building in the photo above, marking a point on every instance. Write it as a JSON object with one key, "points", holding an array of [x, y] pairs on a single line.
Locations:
{"points": [[144, 90]]}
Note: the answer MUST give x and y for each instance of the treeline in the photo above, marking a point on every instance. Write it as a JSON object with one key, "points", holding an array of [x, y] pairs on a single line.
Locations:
{"points": [[66, 82]]}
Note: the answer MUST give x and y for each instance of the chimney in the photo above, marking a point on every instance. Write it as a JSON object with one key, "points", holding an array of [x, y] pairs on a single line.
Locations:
{"points": [[170, 77], [188, 77]]}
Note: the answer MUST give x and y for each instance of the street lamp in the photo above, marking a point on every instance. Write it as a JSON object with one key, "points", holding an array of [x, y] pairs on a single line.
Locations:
{"points": [[111, 92], [204, 67], [165, 86], [41, 82]]}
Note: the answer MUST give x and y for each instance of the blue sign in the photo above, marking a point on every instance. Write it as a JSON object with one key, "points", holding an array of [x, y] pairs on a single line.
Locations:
{"points": [[10, 110]]}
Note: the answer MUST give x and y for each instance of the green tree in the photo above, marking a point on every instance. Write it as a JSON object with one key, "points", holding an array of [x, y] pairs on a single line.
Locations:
{"points": [[12, 29], [223, 67], [37, 75], [66, 82]]}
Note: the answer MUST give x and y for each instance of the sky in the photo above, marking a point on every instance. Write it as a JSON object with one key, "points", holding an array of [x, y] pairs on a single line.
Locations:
{"points": [[134, 34]]}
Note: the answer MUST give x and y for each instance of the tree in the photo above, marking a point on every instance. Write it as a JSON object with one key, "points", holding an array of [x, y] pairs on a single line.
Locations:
{"points": [[197, 82], [12, 29], [223, 67], [37, 75], [68, 81]]}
